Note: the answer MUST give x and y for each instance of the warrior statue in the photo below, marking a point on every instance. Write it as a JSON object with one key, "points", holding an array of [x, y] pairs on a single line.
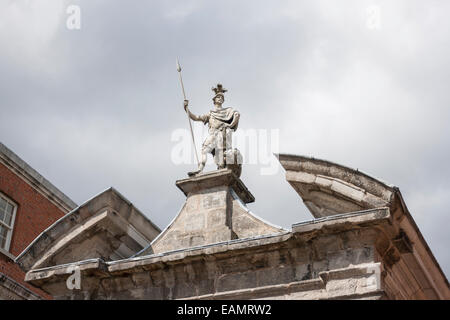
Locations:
{"points": [[221, 122]]}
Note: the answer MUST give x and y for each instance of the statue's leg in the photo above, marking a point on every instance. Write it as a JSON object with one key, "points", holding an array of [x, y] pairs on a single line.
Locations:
{"points": [[218, 158], [220, 148], [203, 160], [204, 157], [229, 158], [201, 165]]}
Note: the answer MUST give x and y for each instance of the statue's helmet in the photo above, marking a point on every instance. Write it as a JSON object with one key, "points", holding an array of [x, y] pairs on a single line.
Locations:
{"points": [[219, 91]]}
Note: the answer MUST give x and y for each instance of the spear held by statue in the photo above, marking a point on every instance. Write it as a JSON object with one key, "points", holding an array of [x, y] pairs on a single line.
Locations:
{"points": [[187, 111]]}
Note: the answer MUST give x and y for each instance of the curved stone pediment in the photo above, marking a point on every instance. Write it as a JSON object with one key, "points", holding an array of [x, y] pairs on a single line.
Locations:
{"points": [[328, 188]]}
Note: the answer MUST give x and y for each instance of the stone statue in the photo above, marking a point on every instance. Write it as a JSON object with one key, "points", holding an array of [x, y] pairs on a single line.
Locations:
{"points": [[222, 122]]}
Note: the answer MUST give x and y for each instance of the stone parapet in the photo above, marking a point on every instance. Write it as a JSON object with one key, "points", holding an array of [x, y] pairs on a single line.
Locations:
{"points": [[325, 263]]}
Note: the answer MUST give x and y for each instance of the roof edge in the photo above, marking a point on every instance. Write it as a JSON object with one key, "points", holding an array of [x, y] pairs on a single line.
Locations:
{"points": [[35, 179], [42, 235]]}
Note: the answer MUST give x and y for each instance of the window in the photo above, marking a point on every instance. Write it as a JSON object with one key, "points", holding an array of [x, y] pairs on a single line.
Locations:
{"points": [[7, 215]]}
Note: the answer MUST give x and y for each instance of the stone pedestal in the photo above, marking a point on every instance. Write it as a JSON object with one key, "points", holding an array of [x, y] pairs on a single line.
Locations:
{"points": [[214, 211], [206, 182]]}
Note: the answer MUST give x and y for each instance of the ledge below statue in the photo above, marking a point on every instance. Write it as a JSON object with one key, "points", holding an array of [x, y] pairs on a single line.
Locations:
{"points": [[217, 178]]}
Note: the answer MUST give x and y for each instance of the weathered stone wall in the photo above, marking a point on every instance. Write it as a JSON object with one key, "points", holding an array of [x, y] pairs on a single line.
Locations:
{"points": [[329, 266]]}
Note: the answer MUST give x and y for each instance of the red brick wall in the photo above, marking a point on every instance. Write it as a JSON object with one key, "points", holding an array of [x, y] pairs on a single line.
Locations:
{"points": [[34, 214]]}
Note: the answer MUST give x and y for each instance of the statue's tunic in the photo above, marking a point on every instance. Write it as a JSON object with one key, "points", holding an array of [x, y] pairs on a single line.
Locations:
{"points": [[218, 121]]}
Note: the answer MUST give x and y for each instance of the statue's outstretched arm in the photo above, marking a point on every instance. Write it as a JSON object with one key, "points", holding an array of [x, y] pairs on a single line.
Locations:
{"points": [[191, 115]]}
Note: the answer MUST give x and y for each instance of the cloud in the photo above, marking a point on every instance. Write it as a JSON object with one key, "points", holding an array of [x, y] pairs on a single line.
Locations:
{"points": [[97, 107], [27, 29]]}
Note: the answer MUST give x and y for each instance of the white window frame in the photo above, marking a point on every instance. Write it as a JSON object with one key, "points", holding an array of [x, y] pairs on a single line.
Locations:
{"points": [[13, 219]]}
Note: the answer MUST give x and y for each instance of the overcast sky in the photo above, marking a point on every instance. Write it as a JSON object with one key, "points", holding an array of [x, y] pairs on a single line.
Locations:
{"points": [[360, 83]]}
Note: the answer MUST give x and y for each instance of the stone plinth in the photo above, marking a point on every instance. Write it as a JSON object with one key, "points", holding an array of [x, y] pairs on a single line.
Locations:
{"points": [[214, 211], [218, 178]]}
